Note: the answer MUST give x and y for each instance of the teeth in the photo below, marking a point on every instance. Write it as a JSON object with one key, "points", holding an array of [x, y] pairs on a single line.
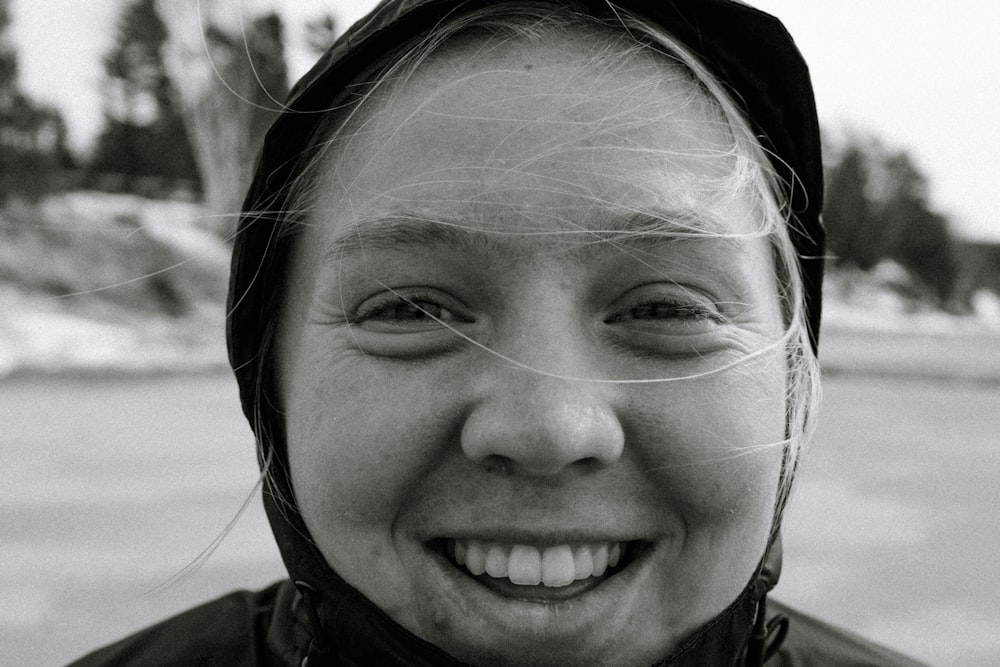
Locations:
{"points": [[583, 560], [557, 566], [475, 558], [526, 565], [496, 561], [600, 560], [614, 554]]}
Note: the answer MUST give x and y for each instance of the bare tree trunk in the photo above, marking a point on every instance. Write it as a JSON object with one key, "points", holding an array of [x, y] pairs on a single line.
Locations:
{"points": [[225, 75]]}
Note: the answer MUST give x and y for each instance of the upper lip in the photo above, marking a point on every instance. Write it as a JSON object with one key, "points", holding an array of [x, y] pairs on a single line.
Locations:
{"points": [[561, 536]]}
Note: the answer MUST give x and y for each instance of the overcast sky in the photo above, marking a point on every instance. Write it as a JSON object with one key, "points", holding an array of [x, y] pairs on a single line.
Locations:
{"points": [[921, 74]]}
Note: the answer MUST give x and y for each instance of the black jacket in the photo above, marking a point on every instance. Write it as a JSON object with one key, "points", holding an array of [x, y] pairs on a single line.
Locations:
{"points": [[271, 628]]}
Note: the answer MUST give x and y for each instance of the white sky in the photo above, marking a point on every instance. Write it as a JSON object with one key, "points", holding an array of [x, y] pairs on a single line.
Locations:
{"points": [[921, 74]]}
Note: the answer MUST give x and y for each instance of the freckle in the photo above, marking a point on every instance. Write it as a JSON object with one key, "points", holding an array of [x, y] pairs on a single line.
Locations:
{"points": [[529, 67]]}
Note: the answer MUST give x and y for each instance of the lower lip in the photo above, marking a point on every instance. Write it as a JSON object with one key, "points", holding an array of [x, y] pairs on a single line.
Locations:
{"points": [[537, 594]]}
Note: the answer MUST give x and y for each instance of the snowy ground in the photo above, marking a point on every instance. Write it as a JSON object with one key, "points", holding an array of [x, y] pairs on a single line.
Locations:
{"points": [[112, 486], [869, 329], [38, 335]]}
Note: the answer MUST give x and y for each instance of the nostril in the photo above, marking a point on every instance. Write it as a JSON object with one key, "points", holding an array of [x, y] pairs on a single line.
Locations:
{"points": [[497, 463], [591, 463], [504, 465]]}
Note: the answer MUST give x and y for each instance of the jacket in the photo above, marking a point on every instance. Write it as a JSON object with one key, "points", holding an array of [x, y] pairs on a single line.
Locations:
{"points": [[271, 628]]}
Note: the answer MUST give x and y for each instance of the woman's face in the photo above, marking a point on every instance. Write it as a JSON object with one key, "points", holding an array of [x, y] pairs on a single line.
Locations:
{"points": [[480, 351]]}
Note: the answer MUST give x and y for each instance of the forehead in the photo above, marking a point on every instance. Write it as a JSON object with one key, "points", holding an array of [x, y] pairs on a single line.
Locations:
{"points": [[579, 132]]}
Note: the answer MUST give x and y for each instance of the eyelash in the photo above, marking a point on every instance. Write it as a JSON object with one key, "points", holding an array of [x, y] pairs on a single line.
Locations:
{"points": [[686, 311], [427, 307], [412, 322], [422, 303]]}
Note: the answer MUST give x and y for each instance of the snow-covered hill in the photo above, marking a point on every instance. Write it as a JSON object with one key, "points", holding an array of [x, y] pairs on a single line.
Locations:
{"points": [[879, 302], [99, 282]]}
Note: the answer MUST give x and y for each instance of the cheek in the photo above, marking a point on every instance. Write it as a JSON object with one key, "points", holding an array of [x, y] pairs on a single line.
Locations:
{"points": [[715, 445], [715, 458], [360, 440]]}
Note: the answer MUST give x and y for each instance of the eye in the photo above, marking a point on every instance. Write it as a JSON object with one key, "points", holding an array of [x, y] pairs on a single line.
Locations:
{"points": [[405, 311], [676, 307], [665, 318]]}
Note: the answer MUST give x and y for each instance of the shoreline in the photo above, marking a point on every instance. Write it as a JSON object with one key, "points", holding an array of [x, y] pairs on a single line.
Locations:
{"points": [[967, 357]]}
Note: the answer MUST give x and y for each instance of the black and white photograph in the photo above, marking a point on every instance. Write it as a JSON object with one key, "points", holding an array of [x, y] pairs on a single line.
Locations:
{"points": [[499, 333]]}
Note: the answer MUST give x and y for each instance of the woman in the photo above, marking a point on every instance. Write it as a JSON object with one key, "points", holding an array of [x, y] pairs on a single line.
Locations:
{"points": [[524, 313]]}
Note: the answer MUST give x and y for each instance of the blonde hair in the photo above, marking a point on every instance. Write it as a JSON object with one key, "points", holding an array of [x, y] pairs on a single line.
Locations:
{"points": [[750, 173]]}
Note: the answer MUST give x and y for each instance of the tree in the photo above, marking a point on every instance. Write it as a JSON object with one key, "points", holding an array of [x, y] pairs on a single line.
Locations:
{"points": [[33, 152], [321, 32], [231, 79], [877, 208], [144, 139], [854, 234], [918, 237], [8, 56]]}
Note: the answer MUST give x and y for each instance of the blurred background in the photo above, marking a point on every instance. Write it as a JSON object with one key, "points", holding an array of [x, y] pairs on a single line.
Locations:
{"points": [[127, 134]]}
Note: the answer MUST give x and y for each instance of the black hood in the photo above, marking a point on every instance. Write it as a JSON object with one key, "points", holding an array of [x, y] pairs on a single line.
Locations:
{"points": [[748, 51]]}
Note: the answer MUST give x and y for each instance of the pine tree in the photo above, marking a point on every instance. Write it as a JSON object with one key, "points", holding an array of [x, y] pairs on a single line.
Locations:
{"points": [[33, 150], [854, 235], [918, 238], [144, 139], [8, 56], [877, 207]]}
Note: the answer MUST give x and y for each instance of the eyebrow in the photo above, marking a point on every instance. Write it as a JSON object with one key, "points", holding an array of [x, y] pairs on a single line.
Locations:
{"points": [[402, 229]]}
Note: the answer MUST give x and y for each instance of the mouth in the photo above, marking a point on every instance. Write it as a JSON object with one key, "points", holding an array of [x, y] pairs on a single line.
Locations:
{"points": [[540, 573]]}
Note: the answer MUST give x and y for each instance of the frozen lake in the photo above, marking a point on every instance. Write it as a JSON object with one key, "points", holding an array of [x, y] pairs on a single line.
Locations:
{"points": [[111, 487]]}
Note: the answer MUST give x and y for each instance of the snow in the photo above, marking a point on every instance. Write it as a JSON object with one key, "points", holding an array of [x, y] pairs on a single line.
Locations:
{"points": [[38, 335], [876, 302], [184, 225], [92, 332]]}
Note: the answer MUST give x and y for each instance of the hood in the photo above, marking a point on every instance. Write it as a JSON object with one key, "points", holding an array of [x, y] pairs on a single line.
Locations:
{"points": [[749, 51]]}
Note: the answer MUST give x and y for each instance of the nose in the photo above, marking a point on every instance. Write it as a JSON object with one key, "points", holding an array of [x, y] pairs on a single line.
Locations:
{"points": [[529, 423]]}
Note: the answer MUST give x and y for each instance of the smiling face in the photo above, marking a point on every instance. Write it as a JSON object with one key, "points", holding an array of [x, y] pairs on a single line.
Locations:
{"points": [[524, 417]]}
